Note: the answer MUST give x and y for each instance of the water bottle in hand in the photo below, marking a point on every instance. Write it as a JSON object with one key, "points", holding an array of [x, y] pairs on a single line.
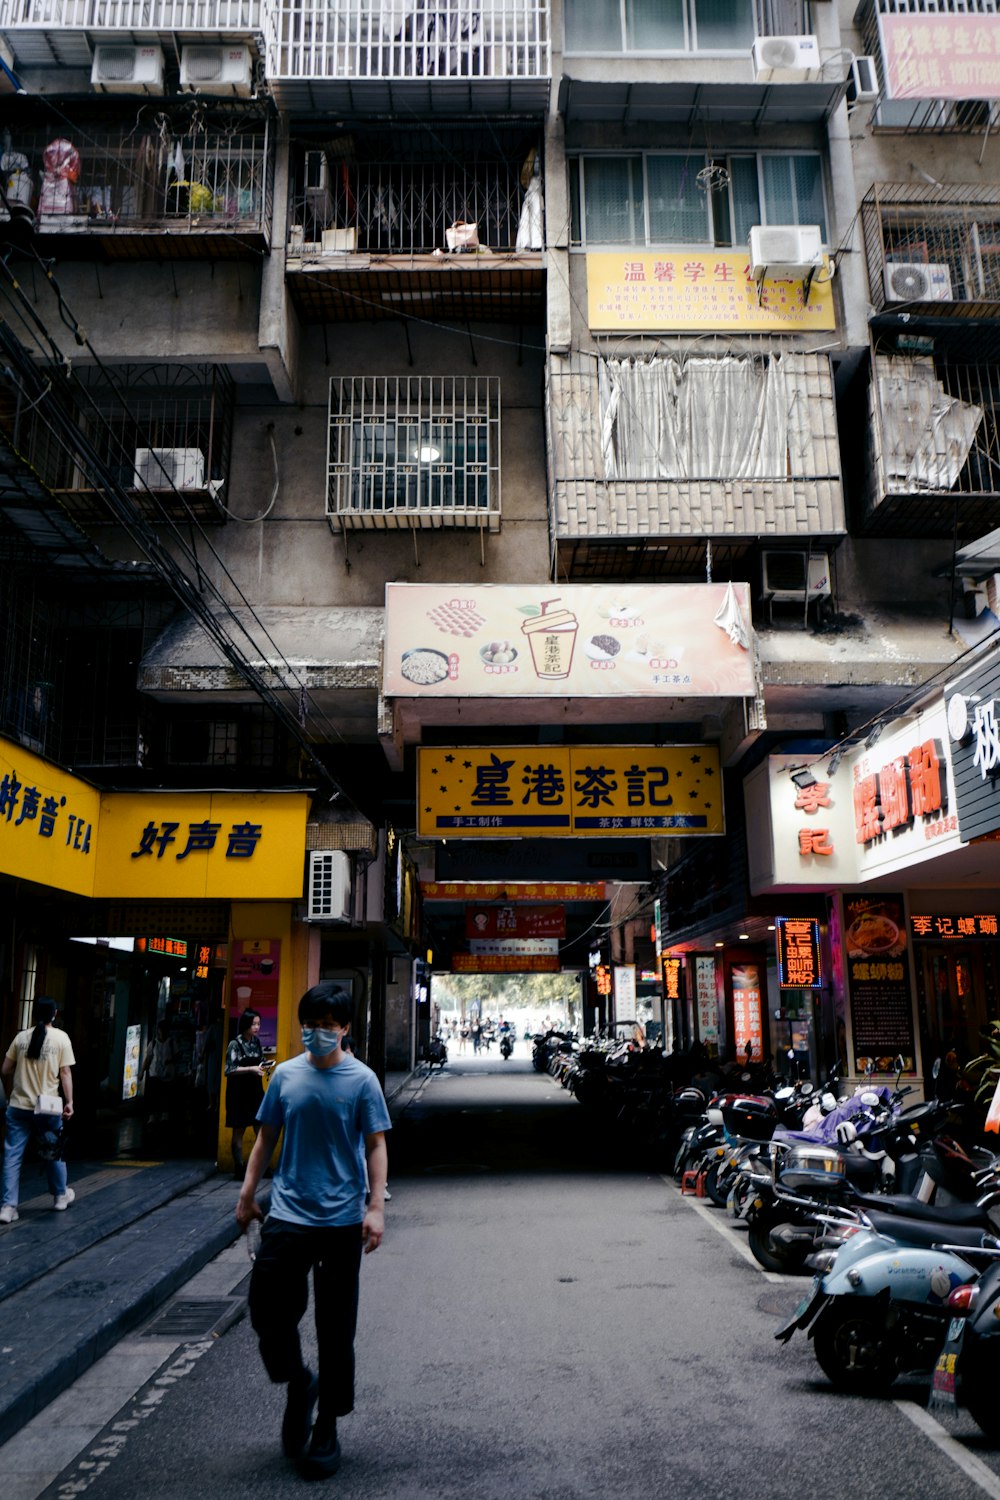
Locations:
{"points": [[253, 1238]]}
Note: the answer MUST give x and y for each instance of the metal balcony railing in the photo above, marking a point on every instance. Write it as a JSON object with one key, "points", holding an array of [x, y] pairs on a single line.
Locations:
{"points": [[414, 452], [132, 15], [386, 205], [162, 432], [407, 39], [932, 246], [691, 26], [154, 174]]}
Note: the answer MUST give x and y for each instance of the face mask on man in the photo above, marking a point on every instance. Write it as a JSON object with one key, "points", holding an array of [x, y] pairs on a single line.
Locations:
{"points": [[319, 1042]]}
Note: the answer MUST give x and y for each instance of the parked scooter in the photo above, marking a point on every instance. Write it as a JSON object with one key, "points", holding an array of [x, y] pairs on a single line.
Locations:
{"points": [[969, 1363], [506, 1044], [880, 1304], [437, 1052]]}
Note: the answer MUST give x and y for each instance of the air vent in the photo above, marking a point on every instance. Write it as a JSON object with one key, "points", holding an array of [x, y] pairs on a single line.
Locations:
{"points": [[916, 281], [127, 70], [329, 890]]}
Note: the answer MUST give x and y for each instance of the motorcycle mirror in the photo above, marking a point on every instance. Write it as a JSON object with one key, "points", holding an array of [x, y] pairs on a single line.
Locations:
{"points": [[790, 1054], [936, 1068]]}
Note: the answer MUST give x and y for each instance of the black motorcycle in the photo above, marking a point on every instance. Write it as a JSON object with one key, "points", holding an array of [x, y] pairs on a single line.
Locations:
{"points": [[506, 1045], [437, 1053], [967, 1369]]}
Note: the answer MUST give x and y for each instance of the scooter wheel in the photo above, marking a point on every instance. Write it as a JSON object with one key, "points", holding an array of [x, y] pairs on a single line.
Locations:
{"points": [[715, 1191], [788, 1260], [854, 1349]]}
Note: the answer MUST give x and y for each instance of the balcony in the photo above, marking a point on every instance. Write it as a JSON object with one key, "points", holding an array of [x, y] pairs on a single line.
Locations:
{"points": [[689, 61], [933, 466], [161, 432], [933, 255], [167, 188], [62, 33], [425, 56], [938, 64], [414, 453], [373, 215], [745, 450]]}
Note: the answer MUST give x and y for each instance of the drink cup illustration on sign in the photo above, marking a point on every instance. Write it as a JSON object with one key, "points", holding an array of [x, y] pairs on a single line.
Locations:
{"points": [[552, 637]]}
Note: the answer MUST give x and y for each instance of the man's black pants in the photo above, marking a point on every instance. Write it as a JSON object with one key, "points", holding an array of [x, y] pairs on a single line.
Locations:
{"points": [[279, 1296]]}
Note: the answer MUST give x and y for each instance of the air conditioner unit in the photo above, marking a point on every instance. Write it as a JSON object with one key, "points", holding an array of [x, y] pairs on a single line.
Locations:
{"points": [[786, 59], [122, 69], [796, 575], [785, 251], [914, 281], [226, 69], [328, 893], [166, 468], [862, 81]]}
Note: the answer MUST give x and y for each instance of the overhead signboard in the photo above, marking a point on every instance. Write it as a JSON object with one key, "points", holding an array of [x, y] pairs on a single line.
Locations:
{"points": [[565, 791], [507, 919], [458, 890], [797, 944], [505, 963], [513, 945], [568, 641], [972, 704], [945, 54], [674, 291]]}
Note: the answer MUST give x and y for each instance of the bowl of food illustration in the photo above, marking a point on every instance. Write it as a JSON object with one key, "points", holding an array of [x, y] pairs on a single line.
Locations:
{"points": [[602, 647], [423, 666], [873, 934], [498, 653]]}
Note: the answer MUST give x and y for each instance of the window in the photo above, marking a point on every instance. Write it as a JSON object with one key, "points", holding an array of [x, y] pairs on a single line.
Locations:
{"points": [[604, 26], [667, 198], [414, 446]]}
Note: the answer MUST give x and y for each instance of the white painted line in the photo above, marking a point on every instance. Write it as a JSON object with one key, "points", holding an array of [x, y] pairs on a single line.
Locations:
{"points": [[714, 1217], [972, 1467]]}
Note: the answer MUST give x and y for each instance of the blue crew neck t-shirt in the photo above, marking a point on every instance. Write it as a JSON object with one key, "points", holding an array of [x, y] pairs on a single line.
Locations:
{"points": [[325, 1114]]}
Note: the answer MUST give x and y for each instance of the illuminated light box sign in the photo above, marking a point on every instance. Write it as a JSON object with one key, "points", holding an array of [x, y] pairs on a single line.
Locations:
{"points": [[951, 926], [568, 791], [797, 941], [467, 890], [173, 947], [499, 963], [672, 978]]}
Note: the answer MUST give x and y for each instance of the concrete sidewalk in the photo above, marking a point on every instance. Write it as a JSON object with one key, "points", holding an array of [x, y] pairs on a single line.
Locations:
{"points": [[72, 1284]]}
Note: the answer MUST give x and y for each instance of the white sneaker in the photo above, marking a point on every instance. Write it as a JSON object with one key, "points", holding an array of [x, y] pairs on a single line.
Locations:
{"points": [[387, 1195], [9, 1214], [63, 1200]]}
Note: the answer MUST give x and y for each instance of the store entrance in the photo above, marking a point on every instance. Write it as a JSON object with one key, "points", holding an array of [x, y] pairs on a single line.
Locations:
{"points": [[958, 996], [147, 1021]]}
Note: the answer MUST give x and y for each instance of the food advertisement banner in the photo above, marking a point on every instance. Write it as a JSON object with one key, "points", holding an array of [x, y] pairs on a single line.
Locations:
{"points": [[567, 791], [672, 291], [509, 921], [942, 55], [878, 980], [707, 995], [748, 1021], [569, 641]]}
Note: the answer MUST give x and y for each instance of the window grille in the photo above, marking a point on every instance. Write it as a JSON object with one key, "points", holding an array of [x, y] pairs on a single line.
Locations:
{"points": [[29, 986], [414, 451]]}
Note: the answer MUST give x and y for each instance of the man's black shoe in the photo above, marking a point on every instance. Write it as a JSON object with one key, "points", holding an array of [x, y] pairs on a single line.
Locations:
{"points": [[297, 1423], [323, 1458]]}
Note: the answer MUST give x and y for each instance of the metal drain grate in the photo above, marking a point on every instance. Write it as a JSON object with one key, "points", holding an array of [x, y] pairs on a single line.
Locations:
{"points": [[194, 1317]]}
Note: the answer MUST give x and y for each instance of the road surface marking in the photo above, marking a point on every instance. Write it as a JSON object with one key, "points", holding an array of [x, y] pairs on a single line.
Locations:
{"points": [[714, 1217], [972, 1467]]}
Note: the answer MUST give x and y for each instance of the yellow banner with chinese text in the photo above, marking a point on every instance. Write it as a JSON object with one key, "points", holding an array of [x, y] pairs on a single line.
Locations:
{"points": [[673, 291], [567, 791]]}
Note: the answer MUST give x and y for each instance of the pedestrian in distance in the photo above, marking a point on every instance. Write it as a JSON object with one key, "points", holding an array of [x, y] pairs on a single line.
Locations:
{"points": [[476, 1031], [159, 1069], [38, 1061], [463, 1037], [333, 1116], [244, 1085]]}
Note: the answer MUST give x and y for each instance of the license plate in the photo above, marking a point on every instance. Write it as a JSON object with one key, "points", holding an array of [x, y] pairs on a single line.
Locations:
{"points": [[801, 1315], [944, 1381]]}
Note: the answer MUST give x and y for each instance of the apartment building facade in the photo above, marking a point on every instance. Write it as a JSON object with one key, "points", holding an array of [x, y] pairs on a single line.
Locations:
{"points": [[666, 327]]}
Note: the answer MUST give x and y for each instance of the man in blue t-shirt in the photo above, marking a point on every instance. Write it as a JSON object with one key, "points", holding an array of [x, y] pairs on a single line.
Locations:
{"points": [[333, 1115]]}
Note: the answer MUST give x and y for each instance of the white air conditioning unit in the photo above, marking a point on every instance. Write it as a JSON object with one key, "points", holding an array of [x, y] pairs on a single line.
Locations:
{"points": [[796, 575], [785, 251], [328, 893], [786, 59], [122, 69], [224, 69], [913, 281], [862, 82], [166, 468]]}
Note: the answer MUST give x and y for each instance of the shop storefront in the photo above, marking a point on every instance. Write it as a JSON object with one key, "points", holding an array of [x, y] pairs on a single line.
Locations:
{"points": [[147, 909]]}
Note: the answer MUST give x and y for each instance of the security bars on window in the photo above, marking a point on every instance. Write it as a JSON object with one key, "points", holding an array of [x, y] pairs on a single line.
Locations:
{"points": [[414, 451]]}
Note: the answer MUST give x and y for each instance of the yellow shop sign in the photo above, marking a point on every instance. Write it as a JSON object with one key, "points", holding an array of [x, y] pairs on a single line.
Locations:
{"points": [[562, 791], [61, 832]]}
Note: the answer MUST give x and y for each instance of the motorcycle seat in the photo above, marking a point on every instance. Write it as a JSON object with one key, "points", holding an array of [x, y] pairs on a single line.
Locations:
{"points": [[923, 1232], [913, 1208]]}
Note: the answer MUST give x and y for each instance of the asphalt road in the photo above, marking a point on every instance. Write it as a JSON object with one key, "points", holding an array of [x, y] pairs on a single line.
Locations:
{"points": [[543, 1320]]}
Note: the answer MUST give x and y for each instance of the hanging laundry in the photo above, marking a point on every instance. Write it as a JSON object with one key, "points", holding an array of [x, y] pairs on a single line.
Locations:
{"points": [[61, 164]]}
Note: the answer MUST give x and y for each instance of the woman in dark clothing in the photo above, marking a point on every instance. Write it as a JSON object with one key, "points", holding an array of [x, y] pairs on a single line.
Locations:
{"points": [[244, 1085]]}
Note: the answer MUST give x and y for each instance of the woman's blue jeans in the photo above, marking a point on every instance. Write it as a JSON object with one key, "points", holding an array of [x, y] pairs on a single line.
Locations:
{"points": [[21, 1126]]}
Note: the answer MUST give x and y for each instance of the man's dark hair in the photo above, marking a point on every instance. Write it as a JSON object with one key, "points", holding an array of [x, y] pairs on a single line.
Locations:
{"points": [[326, 998]]}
